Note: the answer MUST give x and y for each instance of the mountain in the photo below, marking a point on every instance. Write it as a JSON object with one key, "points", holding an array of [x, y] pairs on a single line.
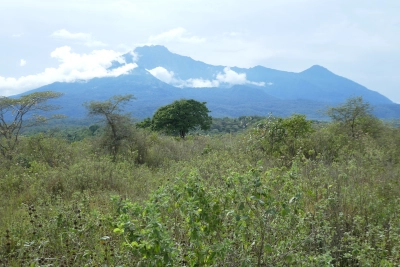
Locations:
{"points": [[150, 57], [254, 91], [316, 83]]}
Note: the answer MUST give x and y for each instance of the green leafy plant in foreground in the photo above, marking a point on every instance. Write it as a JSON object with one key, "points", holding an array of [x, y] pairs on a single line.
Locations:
{"points": [[239, 221]]}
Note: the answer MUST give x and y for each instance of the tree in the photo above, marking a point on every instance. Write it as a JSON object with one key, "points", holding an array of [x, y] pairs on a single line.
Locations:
{"points": [[145, 124], [17, 114], [283, 136], [118, 125], [354, 115], [181, 117]]}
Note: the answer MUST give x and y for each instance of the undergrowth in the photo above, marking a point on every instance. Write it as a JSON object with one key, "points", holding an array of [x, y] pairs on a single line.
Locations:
{"points": [[322, 199]]}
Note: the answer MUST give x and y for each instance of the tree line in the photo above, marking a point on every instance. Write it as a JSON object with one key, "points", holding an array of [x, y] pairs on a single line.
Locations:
{"points": [[17, 114], [178, 118]]}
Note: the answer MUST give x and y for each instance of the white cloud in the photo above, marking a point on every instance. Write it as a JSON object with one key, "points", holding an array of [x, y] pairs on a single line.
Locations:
{"points": [[22, 62], [232, 77], [199, 83], [163, 75], [229, 76], [178, 34], [85, 38], [169, 77], [72, 67]]}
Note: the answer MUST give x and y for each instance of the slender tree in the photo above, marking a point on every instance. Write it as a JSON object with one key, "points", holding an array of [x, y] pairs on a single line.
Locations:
{"points": [[118, 125], [17, 114]]}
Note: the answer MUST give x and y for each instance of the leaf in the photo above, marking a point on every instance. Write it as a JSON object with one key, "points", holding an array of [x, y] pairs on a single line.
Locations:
{"points": [[284, 212], [118, 230]]}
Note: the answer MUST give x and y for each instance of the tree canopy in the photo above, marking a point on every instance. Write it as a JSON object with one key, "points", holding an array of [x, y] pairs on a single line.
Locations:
{"points": [[283, 136], [19, 113], [118, 125], [354, 116], [182, 116]]}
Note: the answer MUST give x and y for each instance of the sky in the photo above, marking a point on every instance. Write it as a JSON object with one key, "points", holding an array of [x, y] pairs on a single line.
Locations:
{"points": [[45, 41]]}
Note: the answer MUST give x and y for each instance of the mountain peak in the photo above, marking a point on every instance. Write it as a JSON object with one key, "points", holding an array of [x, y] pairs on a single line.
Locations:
{"points": [[183, 67], [304, 92], [316, 69], [152, 49]]}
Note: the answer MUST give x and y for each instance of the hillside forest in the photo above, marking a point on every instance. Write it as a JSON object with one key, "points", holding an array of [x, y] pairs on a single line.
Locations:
{"points": [[249, 191]]}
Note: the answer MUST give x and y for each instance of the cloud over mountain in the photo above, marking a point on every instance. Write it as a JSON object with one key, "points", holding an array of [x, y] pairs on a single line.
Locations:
{"points": [[232, 77], [163, 75], [228, 76], [72, 67]]}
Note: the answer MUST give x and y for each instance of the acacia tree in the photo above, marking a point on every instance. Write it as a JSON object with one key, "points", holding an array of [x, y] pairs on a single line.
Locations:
{"points": [[19, 113], [354, 115], [118, 125], [182, 116]]}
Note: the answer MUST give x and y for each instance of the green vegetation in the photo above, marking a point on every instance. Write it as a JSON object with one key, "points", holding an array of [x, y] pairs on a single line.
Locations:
{"points": [[281, 192], [181, 117], [354, 116], [118, 126], [19, 113]]}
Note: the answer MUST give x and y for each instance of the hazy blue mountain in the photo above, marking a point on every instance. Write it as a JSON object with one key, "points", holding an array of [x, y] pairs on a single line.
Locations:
{"points": [[316, 83], [150, 57], [284, 93], [150, 93]]}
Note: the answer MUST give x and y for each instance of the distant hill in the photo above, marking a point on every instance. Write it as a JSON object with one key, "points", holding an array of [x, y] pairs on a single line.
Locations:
{"points": [[254, 91]]}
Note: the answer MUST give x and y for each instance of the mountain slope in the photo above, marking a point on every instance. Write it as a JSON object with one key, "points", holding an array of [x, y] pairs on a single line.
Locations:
{"points": [[316, 83], [150, 57], [282, 94]]}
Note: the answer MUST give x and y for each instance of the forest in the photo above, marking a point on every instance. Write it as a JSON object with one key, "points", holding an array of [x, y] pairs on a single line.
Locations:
{"points": [[248, 191]]}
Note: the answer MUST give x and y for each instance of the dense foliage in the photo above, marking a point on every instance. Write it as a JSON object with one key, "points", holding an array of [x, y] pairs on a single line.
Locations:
{"points": [[284, 192], [182, 116]]}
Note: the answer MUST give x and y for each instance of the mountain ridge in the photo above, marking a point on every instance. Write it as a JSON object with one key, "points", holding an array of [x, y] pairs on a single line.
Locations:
{"points": [[237, 91]]}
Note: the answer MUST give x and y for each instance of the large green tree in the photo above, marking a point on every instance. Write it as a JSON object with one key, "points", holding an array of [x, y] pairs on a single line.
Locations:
{"points": [[182, 116], [118, 124], [19, 113]]}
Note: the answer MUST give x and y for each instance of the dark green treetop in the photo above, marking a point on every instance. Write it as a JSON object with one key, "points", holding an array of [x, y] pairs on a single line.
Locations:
{"points": [[182, 116]]}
